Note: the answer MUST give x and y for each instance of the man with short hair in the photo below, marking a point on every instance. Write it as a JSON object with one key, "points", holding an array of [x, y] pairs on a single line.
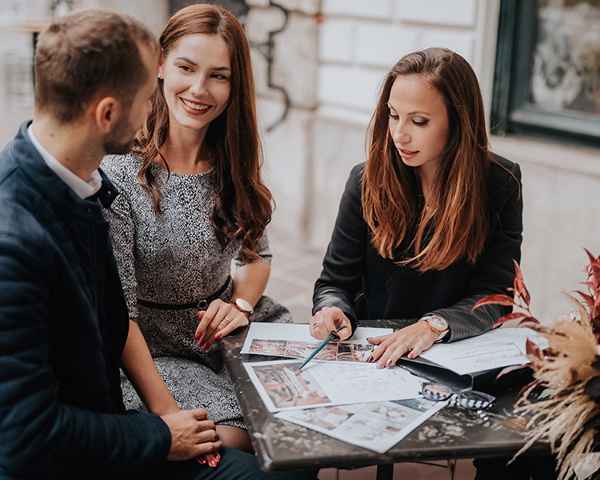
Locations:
{"points": [[63, 318]]}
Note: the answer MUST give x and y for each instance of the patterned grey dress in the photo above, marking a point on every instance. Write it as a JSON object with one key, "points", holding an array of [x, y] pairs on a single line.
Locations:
{"points": [[175, 258]]}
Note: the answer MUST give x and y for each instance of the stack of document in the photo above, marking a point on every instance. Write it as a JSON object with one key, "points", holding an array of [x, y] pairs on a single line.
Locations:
{"points": [[342, 395]]}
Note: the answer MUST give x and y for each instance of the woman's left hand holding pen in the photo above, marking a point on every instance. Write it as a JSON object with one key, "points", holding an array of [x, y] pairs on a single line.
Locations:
{"points": [[330, 319]]}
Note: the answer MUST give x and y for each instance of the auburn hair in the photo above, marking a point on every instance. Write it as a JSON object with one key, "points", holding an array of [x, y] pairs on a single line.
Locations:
{"points": [[243, 204], [457, 225]]}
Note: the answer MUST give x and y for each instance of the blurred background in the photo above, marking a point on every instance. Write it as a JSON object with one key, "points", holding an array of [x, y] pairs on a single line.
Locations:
{"points": [[319, 65]]}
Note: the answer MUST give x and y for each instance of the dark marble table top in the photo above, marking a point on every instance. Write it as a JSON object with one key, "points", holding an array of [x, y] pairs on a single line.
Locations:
{"points": [[451, 433]]}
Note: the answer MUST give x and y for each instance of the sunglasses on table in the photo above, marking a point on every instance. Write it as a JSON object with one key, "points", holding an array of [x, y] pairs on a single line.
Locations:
{"points": [[466, 399]]}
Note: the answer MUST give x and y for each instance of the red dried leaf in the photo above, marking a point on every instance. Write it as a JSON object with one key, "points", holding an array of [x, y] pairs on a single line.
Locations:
{"points": [[593, 271], [530, 322], [591, 257], [533, 350], [510, 316], [519, 284], [496, 299], [587, 298]]}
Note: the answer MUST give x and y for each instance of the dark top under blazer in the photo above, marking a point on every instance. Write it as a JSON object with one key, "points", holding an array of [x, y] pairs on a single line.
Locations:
{"points": [[352, 265], [63, 325]]}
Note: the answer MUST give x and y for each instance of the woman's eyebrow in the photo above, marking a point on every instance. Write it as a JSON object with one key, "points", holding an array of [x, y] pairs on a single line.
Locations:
{"points": [[185, 59]]}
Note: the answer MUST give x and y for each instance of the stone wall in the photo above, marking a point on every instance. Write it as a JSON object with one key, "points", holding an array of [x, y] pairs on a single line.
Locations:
{"points": [[288, 147], [18, 22]]}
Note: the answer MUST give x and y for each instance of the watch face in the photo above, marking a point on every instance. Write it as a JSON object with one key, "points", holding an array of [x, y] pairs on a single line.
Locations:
{"points": [[438, 323], [244, 305]]}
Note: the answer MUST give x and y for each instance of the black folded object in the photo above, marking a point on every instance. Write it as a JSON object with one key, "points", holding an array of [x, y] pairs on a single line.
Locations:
{"points": [[484, 380]]}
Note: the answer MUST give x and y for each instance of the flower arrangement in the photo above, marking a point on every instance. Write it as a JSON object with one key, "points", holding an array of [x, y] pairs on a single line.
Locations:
{"points": [[567, 372]]}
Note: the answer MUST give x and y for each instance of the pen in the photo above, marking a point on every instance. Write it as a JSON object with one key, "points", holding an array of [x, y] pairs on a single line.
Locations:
{"points": [[330, 338]]}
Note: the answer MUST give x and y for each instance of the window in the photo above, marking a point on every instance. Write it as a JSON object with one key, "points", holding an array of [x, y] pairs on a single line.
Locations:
{"points": [[547, 76]]}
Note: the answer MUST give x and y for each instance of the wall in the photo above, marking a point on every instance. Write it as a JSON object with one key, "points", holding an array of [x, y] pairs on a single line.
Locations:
{"points": [[332, 59], [18, 21], [288, 148]]}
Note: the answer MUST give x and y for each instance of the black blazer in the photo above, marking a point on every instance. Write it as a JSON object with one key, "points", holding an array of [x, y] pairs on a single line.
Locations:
{"points": [[63, 325], [352, 265]]}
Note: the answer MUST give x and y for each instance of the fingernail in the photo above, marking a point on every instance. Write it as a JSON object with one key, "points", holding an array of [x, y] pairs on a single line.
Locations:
{"points": [[200, 337], [218, 337], [389, 363]]}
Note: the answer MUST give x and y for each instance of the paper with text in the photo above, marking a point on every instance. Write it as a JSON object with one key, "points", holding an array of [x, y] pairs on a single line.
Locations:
{"points": [[376, 426], [294, 341], [283, 386], [300, 333], [501, 347]]}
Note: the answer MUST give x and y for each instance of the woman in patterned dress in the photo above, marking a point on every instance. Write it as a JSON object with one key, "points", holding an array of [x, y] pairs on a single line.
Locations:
{"points": [[191, 201]]}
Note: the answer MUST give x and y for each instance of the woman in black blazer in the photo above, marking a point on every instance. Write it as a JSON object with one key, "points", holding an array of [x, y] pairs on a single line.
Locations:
{"points": [[431, 223]]}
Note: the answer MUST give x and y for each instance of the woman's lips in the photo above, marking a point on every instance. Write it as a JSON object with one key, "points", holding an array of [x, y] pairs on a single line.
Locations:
{"points": [[194, 108], [408, 153]]}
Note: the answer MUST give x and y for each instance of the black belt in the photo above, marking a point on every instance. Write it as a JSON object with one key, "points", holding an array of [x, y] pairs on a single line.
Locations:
{"points": [[200, 304]]}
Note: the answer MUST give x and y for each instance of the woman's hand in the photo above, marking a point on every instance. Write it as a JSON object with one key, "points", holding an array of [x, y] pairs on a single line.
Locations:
{"points": [[414, 340], [328, 320], [217, 321]]}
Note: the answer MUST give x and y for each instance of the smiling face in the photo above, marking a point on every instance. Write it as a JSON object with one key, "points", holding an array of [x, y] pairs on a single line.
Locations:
{"points": [[418, 121], [196, 75]]}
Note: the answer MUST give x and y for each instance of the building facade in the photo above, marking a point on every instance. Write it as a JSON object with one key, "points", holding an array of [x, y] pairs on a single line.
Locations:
{"points": [[319, 65]]}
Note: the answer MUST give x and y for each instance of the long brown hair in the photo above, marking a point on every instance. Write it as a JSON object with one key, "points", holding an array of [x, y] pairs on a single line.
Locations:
{"points": [[457, 226], [244, 204]]}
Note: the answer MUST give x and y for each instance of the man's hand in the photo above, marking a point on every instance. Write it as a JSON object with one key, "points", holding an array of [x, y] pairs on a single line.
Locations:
{"points": [[192, 435], [328, 320], [414, 340], [218, 320]]}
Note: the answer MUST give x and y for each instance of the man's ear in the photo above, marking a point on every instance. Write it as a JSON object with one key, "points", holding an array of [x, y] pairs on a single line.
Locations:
{"points": [[107, 113]]}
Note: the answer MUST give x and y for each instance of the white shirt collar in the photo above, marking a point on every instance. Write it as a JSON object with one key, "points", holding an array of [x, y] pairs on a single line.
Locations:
{"points": [[82, 188]]}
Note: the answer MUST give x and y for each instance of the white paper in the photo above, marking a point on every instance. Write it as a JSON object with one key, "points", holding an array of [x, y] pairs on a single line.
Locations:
{"points": [[300, 333], [376, 426], [282, 386], [294, 341], [501, 347]]}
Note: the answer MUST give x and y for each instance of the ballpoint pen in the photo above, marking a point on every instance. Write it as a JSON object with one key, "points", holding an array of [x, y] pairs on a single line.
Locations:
{"points": [[333, 336]]}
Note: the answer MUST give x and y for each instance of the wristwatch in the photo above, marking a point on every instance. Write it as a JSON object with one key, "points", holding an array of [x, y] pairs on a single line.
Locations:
{"points": [[437, 324], [244, 306]]}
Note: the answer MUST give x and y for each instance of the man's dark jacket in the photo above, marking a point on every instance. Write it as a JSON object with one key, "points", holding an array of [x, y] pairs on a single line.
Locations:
{"points": [[353, 266], [63, 325]]}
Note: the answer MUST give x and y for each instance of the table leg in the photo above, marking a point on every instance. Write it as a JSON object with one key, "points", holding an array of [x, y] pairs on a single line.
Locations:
{"points": [[385, 472]]}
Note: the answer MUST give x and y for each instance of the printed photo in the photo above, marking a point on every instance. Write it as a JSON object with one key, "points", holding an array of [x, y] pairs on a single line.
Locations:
{"points": [[287, 386], [275, 348]]}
